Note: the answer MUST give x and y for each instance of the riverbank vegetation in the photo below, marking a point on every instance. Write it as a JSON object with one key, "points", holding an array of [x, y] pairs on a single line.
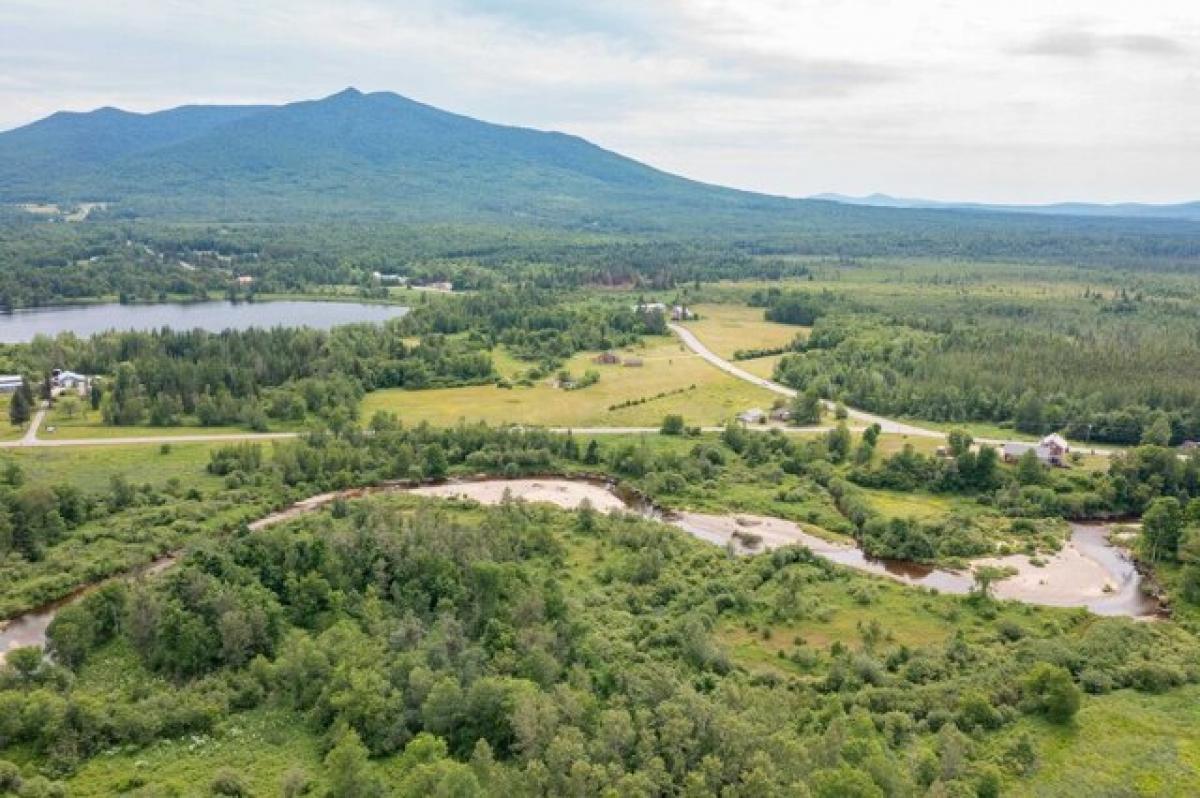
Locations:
{"points": [[393, 647]]}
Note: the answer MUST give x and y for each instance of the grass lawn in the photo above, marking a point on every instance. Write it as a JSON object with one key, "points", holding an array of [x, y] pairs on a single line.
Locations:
{"points": [[668, 367], [921, 506], [890, 443], [727, 328], [90, 468], [88, 424]]}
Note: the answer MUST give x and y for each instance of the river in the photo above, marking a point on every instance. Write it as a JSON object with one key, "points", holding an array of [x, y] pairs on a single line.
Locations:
{"points": [[1088, 572], [20, 326]]}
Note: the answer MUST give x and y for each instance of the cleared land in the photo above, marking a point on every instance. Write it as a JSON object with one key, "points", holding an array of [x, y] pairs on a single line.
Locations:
{"points": [[728, 328], [703, 395], [91, 468], [89, 424]]}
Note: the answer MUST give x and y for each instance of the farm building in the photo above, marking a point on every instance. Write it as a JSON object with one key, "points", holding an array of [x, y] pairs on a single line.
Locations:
{"points": [[752, 416], [1050, 450]]}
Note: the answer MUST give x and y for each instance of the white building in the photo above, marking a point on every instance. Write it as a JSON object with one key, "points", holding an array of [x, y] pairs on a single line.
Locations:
{"points": [[752, 416], [1050, 450]]}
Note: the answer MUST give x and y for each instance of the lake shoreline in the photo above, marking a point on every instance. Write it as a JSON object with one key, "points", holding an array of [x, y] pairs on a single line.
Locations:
{"points": [[22, 325]]}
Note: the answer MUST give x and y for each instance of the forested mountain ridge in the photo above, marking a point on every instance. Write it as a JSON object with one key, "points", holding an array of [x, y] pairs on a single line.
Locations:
{"points": [[381, 156], [350, 152]]}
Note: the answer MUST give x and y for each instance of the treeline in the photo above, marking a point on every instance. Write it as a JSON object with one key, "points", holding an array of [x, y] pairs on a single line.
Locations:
{"points": [[537, 324], [258, 375], [1114, 381], [46, 264]]}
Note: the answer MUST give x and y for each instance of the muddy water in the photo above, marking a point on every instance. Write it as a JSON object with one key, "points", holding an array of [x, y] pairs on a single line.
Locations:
{"points": [[30, 629], [1089, 572]]}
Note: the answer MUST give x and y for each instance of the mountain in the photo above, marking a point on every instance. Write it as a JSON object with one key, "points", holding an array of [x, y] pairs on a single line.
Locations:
{"points": [[1128, 210], [350, 153], [381, 156]]}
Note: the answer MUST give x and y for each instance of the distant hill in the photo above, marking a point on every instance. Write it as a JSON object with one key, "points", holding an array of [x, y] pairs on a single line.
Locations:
{"points": [[350, 153], [1129, 210], [381, 156]]}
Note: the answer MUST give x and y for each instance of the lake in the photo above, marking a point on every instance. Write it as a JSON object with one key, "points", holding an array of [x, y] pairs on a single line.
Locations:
{"points": [[21, 326]]}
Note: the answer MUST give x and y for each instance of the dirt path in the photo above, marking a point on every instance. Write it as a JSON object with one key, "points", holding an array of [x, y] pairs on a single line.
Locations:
{"points": [[30, 437]]}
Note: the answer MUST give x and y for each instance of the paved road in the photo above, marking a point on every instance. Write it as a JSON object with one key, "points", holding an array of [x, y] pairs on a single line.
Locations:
{"points": [[885, 424]]}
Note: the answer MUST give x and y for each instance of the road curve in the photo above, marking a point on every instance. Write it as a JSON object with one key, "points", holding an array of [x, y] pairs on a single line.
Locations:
{"points": [[885, 424]]}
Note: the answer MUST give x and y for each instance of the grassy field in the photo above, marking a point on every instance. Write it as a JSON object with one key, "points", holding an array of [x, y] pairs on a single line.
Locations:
{"points": [[1121, 744], [921, 506], [90, 468], [89, 424], [727, 328], [701, 393]]}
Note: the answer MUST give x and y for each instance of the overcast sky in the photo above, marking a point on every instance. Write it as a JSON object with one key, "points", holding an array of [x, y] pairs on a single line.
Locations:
{"points": [[992, 100]]}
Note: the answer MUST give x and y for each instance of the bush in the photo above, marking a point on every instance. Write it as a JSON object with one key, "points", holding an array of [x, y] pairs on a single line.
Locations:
{"points": [[10, 776], [1153, 677], [1049, 690], [672, 425], [228, 782], [1095, 681]]}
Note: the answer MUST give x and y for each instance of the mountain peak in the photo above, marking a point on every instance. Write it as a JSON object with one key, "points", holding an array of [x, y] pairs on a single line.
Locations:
{"points": [[348, 93]]}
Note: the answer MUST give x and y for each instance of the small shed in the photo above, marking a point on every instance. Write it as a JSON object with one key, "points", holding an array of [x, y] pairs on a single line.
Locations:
{"points": [[752, 416]]}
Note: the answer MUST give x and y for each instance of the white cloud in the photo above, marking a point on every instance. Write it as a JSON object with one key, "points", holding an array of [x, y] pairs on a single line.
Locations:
{"points": [[1001, 100]]}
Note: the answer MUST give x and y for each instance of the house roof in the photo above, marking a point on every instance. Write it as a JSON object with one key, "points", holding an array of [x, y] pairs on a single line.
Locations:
{"points": [[1055, 439]]}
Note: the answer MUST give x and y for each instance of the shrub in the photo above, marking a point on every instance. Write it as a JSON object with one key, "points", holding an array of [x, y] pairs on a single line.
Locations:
{"points": [[1049, 690], [228, 782]]}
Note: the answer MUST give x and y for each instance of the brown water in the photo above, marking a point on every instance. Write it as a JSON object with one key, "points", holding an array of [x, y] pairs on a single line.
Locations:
{"points": [[1089, 572], [30, 629]]}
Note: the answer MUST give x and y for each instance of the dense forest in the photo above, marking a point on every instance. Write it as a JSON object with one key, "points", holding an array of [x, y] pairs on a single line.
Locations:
{"points": [[523, 651], [1109, 367], [144, 261]]}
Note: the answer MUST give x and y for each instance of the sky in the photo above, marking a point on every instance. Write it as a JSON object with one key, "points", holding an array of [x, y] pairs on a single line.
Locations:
{"points": [[987, 100]]}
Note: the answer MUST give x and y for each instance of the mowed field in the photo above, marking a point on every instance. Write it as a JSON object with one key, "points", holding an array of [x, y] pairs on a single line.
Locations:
{"points": [[89, 424], [727, 328], [699, 392], [91, 468]]}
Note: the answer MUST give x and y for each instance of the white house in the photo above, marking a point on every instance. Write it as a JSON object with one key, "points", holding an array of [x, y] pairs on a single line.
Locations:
{"points": [[9, 382]]}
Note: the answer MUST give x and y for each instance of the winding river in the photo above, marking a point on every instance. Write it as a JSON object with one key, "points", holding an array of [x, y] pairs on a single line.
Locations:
{"points": [[1088, 572]]}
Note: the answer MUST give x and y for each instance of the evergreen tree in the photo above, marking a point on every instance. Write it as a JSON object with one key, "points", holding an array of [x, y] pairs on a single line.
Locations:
{"points": [[18, 409]]}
